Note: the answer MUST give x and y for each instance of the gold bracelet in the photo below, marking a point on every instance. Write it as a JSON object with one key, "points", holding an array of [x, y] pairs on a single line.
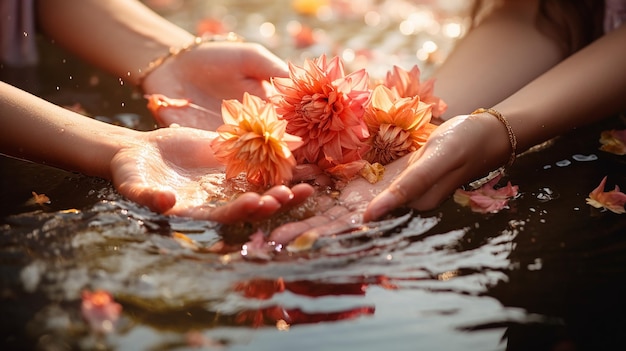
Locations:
{"points": [[509, 130], [173, 52]]}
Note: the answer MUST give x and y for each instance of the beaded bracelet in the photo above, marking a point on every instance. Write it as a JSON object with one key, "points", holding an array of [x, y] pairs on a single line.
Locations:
{"points": [[173, 52], [509, 130]]}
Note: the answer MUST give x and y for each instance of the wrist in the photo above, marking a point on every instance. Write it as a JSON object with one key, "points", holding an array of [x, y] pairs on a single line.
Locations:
{"points": [[496, 151], [172, 53], [512, 139]]}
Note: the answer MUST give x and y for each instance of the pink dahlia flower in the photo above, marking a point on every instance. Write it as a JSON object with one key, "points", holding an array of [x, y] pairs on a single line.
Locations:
{"points": [[324, 107], [407, 84], [397, 125], [253, 140]]}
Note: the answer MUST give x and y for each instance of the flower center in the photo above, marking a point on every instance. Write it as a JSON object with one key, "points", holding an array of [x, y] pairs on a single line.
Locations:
{"points": [[390, 143]]}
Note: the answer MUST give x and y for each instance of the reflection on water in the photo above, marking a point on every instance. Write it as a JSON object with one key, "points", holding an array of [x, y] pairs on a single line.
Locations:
{"points": [[547, 273]]}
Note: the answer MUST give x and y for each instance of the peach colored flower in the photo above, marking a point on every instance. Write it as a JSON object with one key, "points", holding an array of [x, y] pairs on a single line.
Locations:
{"points": [[486, 199], [397, 125], [100, 311], [613, 141], [613, 200], [407, 84], [253, 140], [373, 173], [157, 101], [324, 107]]}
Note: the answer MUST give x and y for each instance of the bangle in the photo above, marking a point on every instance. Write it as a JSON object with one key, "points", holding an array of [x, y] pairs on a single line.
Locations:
{"points": [[509, 130], [173, 52]]}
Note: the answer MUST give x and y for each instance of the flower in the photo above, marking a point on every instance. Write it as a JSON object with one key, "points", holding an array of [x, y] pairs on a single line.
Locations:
{"points": [[486, 199], [157, 101], [324, 107], [258, 248], [407, 84], [613, 141], [253, 140], [613, 200], [100, 311], [397, 125]]}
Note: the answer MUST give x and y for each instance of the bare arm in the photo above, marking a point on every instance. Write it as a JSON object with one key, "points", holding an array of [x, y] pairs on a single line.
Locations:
{"points": [[120, 36], [586, 87], [39, 131], [497, 58]]}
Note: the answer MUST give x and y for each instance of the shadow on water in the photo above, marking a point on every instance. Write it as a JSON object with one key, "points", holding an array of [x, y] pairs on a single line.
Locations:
{"points": [[546, 274]]}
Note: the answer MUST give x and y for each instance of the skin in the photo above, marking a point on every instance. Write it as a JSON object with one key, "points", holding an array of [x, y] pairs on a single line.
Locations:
{"points": [[160, 169], [124, 36], [507, 64]]}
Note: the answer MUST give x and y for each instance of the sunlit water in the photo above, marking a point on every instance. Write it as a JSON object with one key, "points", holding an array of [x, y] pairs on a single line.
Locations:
{"points": [[548, 272]]}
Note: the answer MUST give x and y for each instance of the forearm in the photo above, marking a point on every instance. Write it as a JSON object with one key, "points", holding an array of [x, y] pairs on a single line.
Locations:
{"points": [[120, 36], [36, 130], [588, 86], [498, 57]]}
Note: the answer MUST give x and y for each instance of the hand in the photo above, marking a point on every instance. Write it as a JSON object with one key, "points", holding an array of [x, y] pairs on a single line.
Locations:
{"points": [[458, 151], [209, 73], [173, 171]]}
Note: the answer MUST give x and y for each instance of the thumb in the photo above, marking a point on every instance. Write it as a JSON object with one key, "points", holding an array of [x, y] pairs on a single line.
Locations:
{"points": [[157, 199], [266, 66]]}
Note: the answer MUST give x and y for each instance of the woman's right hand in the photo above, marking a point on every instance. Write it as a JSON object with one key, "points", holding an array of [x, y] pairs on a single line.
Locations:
{"points": [[460, 150]]}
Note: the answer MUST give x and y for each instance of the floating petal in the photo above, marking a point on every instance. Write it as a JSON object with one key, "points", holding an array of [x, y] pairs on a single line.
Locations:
{"points": [[613, 200], [486, 199]]}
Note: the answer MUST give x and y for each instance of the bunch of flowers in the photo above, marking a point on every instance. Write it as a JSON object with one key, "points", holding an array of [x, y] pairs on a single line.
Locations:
{"points": [[343, 123]]}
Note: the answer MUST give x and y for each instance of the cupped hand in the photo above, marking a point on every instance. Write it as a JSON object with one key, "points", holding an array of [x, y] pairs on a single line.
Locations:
{"points": [[458, 151], [208, 74], [173, 171]]}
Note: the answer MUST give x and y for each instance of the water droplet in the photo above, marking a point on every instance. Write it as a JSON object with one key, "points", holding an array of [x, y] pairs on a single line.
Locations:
{"points": [[564, 163], [547, 166]]}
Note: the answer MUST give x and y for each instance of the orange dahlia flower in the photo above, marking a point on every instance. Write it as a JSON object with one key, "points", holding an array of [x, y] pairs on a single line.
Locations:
{"points": [[397, 125], [253, 140], [407, 84], [324, 107]]}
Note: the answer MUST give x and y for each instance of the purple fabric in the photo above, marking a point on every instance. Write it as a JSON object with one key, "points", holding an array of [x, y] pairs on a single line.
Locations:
{"points": [[614, 15], [17, 32]]}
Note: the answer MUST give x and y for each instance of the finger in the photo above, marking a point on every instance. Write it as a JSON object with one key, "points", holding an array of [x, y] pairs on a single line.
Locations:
{"points": [[245, 207], [439, 191], [157, 199], [421, 175], [266, 65], [290, 231], [300, 192]]}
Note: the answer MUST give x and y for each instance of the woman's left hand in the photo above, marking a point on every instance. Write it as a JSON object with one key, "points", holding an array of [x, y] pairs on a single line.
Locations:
{"points": [[208, 74], [173, 171]]}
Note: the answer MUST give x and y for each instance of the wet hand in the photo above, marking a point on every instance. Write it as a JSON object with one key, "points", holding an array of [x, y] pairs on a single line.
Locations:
{"points": [[460, 150], [209, 73], [173, 171]]}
